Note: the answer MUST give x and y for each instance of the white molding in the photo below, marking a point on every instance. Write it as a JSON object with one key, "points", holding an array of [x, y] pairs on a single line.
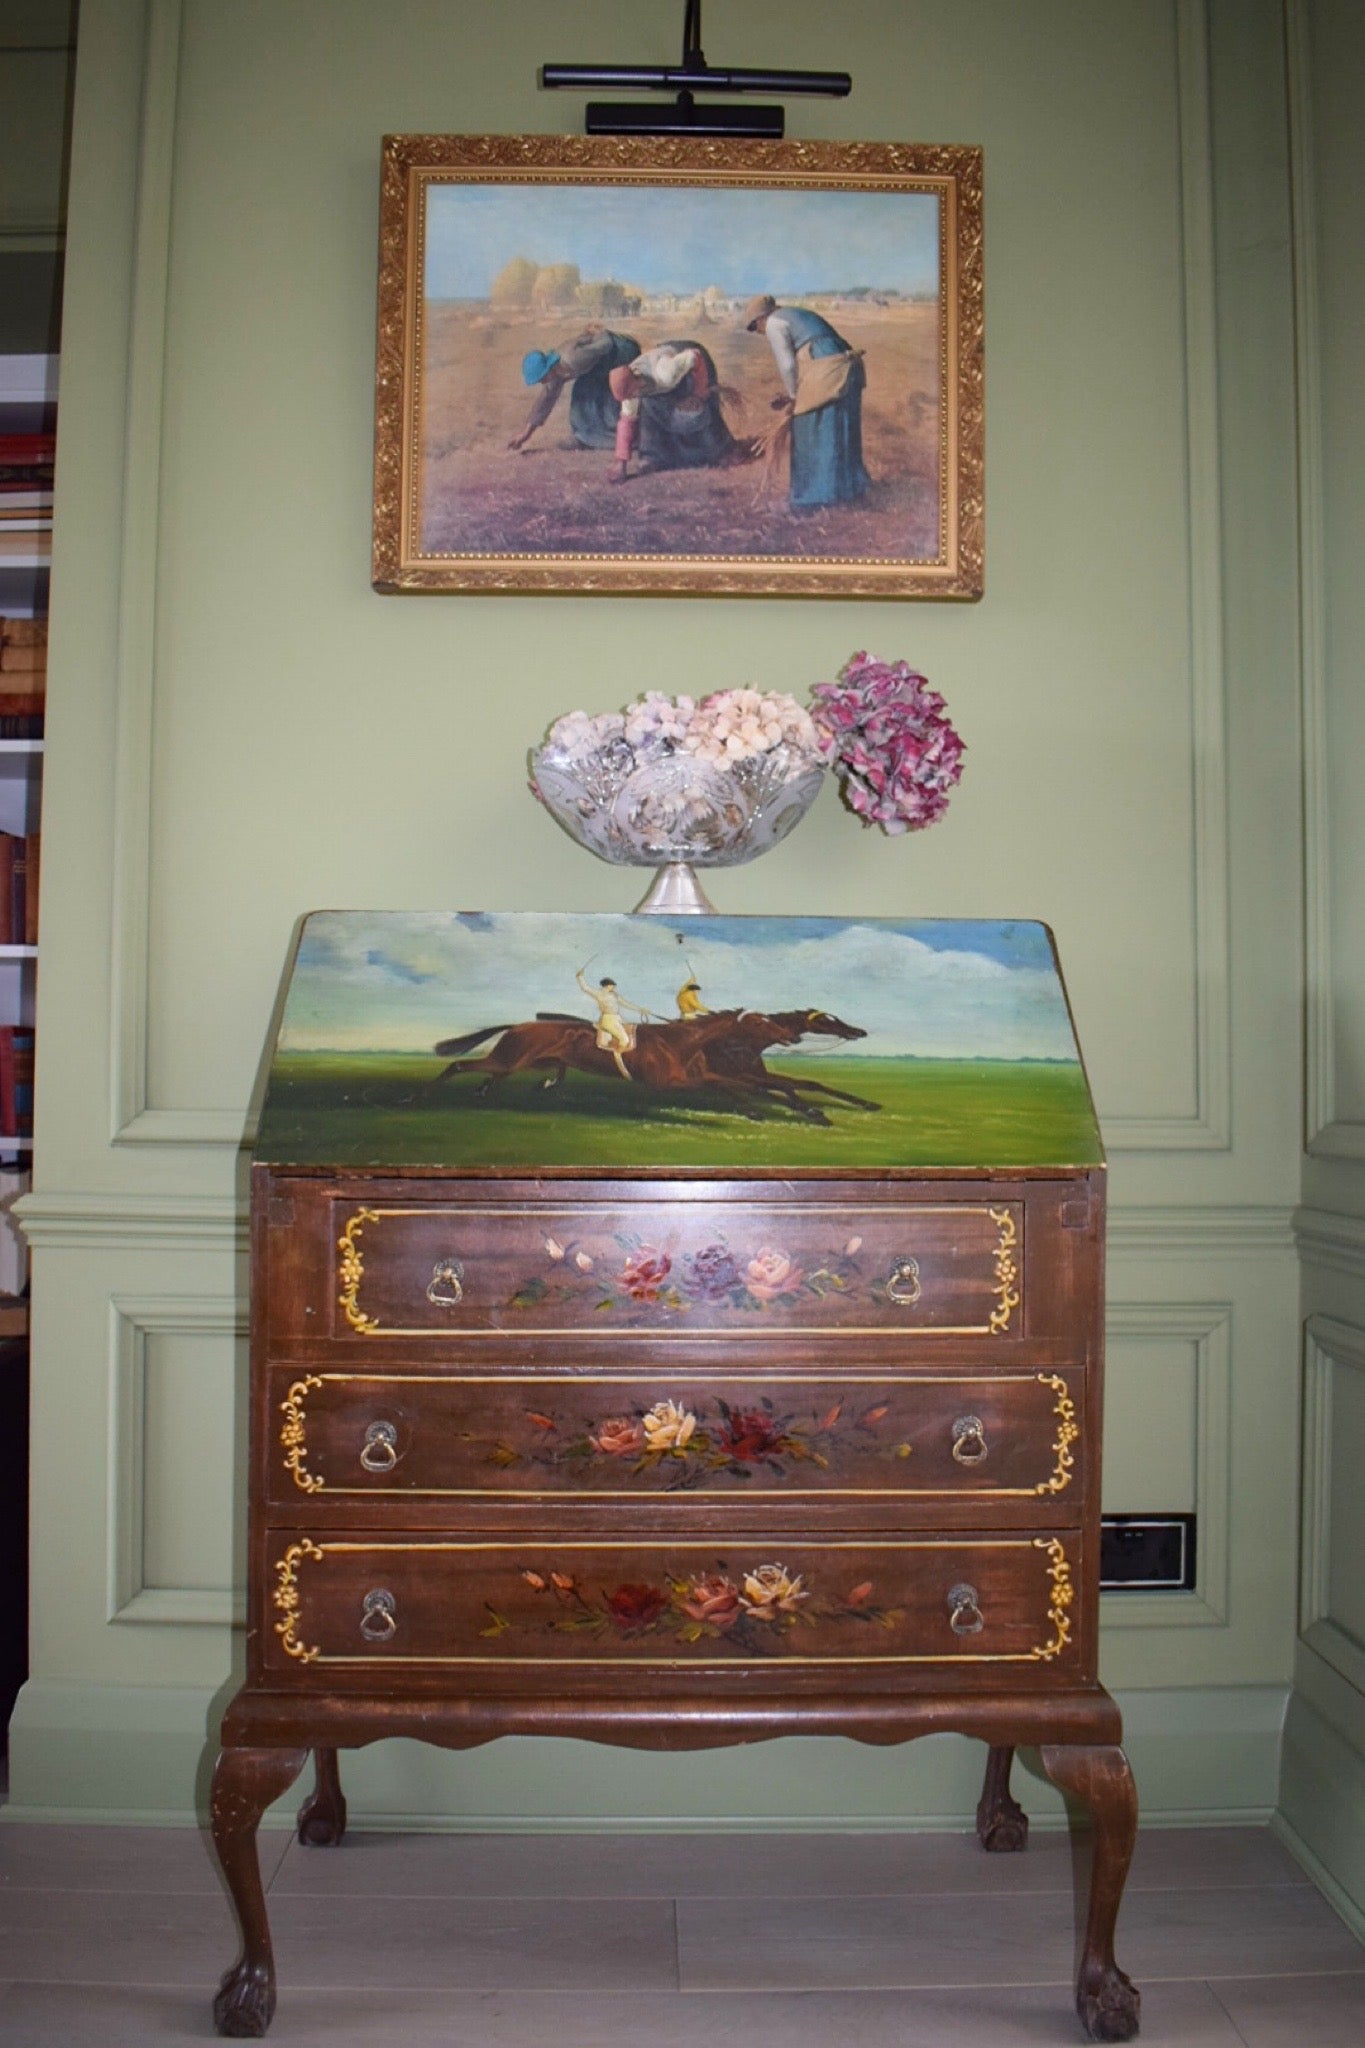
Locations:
{"points": [[1332, 1239], [132, 1319], [1328, 1343], [1202, 1231], [131, 898], [187, 1127], [99, 1222], [1207, 1325], [1210, 1127]]}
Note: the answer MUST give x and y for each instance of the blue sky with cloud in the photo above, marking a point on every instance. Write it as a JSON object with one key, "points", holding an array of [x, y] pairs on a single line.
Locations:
{"points": [[683, 238], [398, 981]]}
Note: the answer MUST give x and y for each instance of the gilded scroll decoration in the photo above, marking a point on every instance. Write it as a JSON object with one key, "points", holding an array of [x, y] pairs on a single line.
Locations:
{"points": [[352, 1272], [294, 1434], [1063, 1594], [1068, 1429], [288, 1602], [1006, 1272]]}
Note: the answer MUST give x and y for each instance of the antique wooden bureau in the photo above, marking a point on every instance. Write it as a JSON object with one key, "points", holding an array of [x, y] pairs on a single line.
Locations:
{"points": [[733, 1375]]}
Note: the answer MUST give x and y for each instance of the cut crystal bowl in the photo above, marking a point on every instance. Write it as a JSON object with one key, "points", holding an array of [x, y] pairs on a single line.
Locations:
{"points": [[673, 810]]}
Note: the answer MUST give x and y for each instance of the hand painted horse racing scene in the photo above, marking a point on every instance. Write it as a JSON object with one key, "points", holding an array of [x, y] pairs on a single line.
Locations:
{"points": [[525, 1039]]}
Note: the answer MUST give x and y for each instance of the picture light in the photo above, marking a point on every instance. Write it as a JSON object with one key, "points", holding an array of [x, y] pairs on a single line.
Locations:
{"points": [[684, 116]]}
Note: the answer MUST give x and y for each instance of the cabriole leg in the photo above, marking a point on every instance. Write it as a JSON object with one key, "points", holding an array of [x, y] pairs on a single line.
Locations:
{"points": [[1001, 1824], [245, 1781], [1100, 1779], [322, 1817]]}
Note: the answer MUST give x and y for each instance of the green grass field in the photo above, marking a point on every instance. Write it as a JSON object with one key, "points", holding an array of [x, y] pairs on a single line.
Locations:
{"points": [[389, 1108]]}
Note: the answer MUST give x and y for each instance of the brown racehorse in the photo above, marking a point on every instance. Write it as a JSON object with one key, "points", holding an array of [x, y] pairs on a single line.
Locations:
{"points": [[721, 1053]]}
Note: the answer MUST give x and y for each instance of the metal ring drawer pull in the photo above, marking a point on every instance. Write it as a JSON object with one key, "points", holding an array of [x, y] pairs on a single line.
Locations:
{"points": [[969, 1440], [446, 1285], [377, 1621], [379, 1452], [964, 1617], [903, 1283]]}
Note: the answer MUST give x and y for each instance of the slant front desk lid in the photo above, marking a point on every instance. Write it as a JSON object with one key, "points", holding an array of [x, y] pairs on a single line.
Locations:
{"points": [[519, 1041]]}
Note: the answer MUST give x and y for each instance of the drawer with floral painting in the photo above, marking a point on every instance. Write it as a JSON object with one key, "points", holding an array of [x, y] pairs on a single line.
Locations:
{"points": [[957, 1609], [1002, 1440], [365, 1271]]}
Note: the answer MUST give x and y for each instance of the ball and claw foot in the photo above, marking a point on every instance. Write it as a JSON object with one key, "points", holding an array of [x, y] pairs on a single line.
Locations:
{"points": [[1001, 1822], [1110, 2006], [245, 2004], [1005, 1831], [320, 1826], [322, 1817]]}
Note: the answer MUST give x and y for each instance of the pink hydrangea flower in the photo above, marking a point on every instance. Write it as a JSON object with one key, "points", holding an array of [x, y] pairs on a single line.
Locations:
{"points": [[889, 740]]}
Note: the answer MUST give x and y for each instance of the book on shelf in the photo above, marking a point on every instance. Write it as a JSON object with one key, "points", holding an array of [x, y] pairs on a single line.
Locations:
{"points": [[23, 654], [23, 678], [27, 459], [16, 545], [16, 1082], [19, 888], [23, 632]]}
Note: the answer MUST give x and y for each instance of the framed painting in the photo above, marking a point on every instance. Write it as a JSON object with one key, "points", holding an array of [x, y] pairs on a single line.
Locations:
{"points": [[624, 365]]}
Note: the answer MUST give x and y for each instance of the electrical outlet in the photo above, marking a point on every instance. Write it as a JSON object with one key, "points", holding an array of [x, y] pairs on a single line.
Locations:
{"points": [[1147, 1553]]}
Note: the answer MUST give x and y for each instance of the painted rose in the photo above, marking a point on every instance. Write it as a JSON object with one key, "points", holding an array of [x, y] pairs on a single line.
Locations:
{"points": [[770, 1590], [644, 1273], [712, 1272], [619, 1437], [712, 1598], [636, 1606], [668, 1427], [748, 1436], [770, 1273]]}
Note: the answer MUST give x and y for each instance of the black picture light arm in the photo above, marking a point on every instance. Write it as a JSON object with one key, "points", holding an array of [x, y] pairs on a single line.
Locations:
{"points": [[692, 76]]}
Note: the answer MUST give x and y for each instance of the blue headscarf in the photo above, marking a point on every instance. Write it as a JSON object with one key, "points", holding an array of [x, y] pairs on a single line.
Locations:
{"points": [[537, 365]]}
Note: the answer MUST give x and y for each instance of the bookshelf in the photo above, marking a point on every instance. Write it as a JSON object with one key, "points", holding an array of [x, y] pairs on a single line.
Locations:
{"points": [[28, 400]]}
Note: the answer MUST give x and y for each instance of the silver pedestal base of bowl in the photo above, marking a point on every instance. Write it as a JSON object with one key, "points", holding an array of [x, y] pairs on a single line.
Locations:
{"points": [[675, 892]]}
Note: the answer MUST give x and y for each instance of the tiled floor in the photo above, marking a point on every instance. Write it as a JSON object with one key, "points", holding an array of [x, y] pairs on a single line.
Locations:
{"points": [[116, 1937]]}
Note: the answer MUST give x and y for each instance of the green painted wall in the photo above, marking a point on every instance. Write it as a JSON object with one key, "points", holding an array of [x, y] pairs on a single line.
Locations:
{"points": [[240, 730], [1323, 1783]]}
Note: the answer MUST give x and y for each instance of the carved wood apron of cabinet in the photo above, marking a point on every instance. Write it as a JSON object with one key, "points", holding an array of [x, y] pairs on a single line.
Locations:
{"points": [[673, 1460]]}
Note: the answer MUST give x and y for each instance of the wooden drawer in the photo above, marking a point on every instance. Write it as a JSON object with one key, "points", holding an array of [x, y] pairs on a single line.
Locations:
{"points": [[439, 1271], [1003, 1604], [679, 1437]]}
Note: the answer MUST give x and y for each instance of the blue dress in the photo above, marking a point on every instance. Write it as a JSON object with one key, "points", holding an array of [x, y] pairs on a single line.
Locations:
{"points": [[827, 445]]}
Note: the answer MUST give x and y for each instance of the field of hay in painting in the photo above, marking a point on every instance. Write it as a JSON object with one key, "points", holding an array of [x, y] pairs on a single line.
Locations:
{"points": [[384, 1109], [554, 498]]}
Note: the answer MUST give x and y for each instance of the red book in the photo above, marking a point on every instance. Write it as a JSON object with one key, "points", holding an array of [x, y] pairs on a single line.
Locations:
{"points": [[28, 449]]}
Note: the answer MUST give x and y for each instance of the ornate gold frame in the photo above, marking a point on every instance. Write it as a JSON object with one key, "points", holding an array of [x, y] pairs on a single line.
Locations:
{"points": [[411, 163]]}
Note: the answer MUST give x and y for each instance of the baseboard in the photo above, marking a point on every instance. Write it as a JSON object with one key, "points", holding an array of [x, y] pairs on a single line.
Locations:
{"points": [[1337, 1896], [1321, 1808], [1205, 1756]]}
